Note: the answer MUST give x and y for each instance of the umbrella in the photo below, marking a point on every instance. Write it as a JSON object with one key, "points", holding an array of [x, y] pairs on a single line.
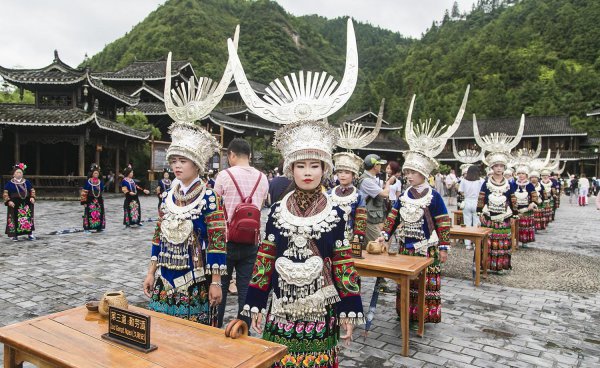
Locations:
{"points": [[372, 306]]}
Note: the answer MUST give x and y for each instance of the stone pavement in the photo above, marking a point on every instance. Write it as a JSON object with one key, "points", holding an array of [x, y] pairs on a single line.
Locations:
{"points": [[490, 326]]}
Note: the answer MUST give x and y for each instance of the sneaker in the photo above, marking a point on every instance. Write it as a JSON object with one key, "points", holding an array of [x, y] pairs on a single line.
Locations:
{"points": [[15, 239], [140, 224], [87, 232], [31, 237]]}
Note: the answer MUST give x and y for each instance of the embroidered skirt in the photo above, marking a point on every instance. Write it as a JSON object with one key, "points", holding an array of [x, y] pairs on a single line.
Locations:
{"points": [[499, 244], [132, 211], [433, 300], [540, 219], [191, 304], [526, 227], [310, 343], [19, 219], [93, 214]]}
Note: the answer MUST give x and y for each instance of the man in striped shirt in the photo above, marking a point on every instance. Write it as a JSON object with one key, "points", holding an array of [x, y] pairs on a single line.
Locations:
{"points": [[240, 257]]}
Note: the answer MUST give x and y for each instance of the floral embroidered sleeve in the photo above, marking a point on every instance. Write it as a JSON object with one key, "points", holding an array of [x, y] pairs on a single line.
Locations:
{"points": [[84, 193], [346, 280], [5, 195], [360, 219], [261, 282], [439, 212], [216, 252], [391, 222], [124, 187], [30, 189]]}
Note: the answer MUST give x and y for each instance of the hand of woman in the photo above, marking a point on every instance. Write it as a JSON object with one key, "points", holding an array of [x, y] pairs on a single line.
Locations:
{"points": [[11, 204], [148, 285], [257, 323], [215, 295], [146, 191], [443, 256], [349, 327], [32, 200]]}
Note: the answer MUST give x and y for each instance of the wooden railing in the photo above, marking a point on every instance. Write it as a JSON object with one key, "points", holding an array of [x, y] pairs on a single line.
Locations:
{"points": [[53, 185]]}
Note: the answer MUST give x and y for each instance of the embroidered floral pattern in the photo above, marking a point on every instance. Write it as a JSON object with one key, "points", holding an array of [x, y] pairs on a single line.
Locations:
{"points": [[191, 304], [264, 266]]}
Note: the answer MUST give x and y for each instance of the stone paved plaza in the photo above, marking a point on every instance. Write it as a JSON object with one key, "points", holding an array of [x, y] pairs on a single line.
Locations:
{"points": [[552, 323]]}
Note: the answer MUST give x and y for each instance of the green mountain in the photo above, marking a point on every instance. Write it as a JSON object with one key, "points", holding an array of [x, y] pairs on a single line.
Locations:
{"points": [[540, 57]]}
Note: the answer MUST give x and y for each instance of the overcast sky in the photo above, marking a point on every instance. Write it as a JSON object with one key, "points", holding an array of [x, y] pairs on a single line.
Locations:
{"points": [[32, 29]]}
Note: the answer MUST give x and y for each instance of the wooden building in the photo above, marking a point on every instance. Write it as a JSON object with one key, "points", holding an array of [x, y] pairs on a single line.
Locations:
{"points": [[70, 125], [557, 135]]}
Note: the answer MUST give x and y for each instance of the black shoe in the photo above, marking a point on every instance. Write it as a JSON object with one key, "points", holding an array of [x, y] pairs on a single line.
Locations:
{"points": [[15, 239]]}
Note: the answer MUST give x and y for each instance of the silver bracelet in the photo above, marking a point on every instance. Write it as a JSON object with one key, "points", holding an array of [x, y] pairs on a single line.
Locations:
{"points": [[216, 283]]}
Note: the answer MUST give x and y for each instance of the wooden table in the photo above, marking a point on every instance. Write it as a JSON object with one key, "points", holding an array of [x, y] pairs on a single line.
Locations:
{"points": [[400, 269], [478, 235], [72, 339]]}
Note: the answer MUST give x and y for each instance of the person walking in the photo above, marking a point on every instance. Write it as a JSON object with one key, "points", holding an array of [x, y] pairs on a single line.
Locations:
{"points": [[393, 169], [469, 189], [584, 188], [240, 185], [450, 182], [132, 210], [278, 185]]}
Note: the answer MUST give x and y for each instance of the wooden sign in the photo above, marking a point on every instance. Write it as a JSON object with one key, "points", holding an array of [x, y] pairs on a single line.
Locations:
{"points": [[356, 249], [129, 329]]}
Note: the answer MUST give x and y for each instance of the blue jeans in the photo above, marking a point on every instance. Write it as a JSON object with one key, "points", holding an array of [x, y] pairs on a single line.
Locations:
{"points": [[240, 257]]}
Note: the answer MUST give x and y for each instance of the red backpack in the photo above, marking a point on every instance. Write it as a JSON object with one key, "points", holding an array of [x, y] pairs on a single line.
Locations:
{"points": [[244, 226]]}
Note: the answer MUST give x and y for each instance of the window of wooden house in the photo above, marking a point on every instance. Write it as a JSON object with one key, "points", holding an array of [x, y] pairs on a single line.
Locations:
{"points": [[55, 101]]}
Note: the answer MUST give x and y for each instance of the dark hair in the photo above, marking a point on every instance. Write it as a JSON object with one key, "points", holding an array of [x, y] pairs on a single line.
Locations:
{"points": [[14, 169], [239, 146], [472, 173], [394, 166], [280, 167], [126, 171]]}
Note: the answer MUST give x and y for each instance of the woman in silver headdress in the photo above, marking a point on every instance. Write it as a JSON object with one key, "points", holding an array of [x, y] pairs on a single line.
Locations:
{"points": [[497, 203], [189, 253], [420, 218], [94, 217], [304, 261]]}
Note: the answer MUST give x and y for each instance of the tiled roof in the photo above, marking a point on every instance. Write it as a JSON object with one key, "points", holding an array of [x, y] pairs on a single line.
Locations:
{"points": [[369, 119], [99, 86], [385, 143], [535, 126], [151, 90], [29, 115], [564, 156], [253, 124], [148, 70], [151, 108], [56, 73], [258, 88]]}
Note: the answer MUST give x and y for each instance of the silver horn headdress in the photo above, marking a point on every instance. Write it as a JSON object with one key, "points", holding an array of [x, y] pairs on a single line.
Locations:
{"points": [[427, 141], [538, 164], [466, 157], [188, 103], [302, 104], [353, 136], [552, 165], [498, 144]]}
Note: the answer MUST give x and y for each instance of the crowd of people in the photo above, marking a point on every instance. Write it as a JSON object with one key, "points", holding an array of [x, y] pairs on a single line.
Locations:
{"points": [[296, 281]]}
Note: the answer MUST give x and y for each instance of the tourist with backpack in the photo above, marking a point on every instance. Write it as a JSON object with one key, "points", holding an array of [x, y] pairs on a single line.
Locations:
{"points": [[244, 190]]}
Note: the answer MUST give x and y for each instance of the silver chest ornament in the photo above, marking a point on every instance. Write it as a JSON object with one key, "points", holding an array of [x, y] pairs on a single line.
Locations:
{"points": [[411, 213], [522, 196], [496, 198]]}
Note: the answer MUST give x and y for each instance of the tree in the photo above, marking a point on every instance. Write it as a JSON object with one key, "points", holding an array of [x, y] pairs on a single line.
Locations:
{"points": [[139, 121], [455, 11]]}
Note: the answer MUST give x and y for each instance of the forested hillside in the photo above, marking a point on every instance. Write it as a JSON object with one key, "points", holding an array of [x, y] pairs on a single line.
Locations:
{"points": [[540, 57]]}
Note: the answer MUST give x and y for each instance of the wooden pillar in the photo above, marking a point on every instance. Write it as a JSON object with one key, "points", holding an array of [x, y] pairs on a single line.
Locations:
{"points": [[151, 173], [17, 148], [97, 158], [126, 154], [118, 150], [38, 161], [81, 171]]}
